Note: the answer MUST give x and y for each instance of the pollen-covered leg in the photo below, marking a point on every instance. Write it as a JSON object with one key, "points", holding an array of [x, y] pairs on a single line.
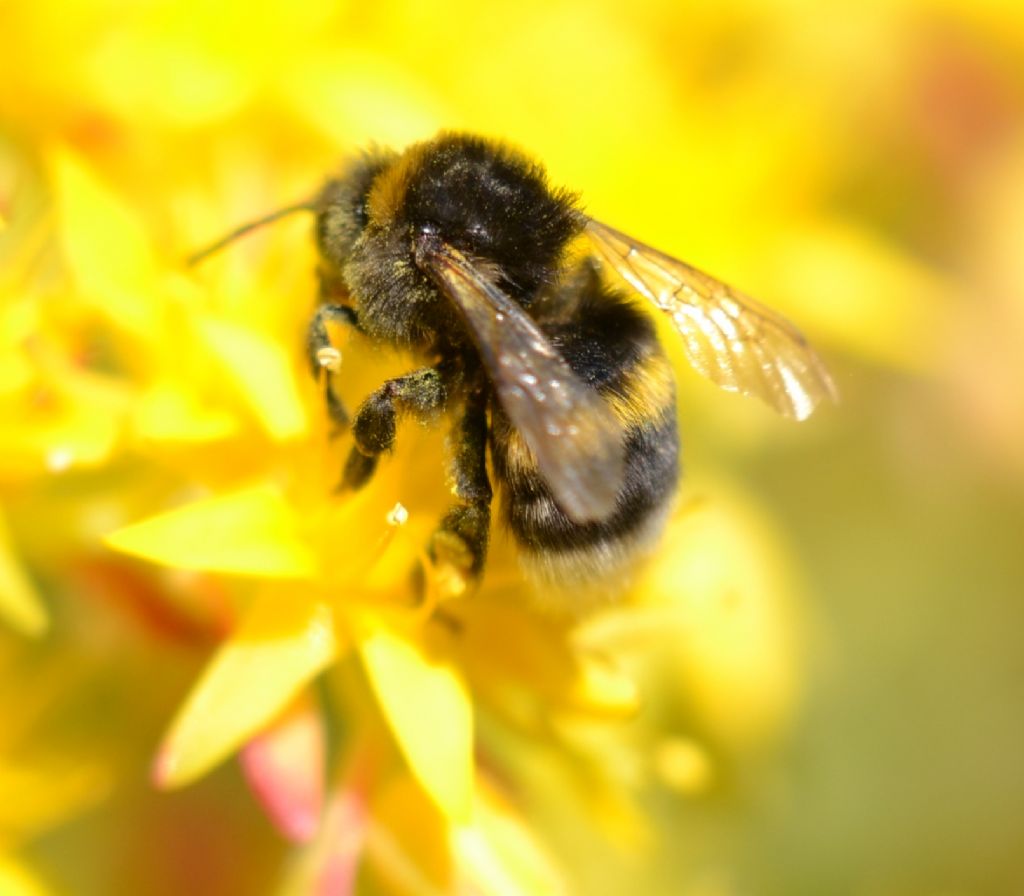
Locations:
{"points": [[421, 393], [359, 468], [459, 546], [318, 351]]}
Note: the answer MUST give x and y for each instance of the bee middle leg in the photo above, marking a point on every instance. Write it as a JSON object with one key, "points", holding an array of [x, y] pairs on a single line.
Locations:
{"points": [[461, 539], [373, 427], [318, 340]]}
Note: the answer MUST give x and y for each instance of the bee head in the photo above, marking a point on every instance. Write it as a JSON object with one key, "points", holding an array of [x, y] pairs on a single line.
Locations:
{"points": [[485, 200], [343, 207]]}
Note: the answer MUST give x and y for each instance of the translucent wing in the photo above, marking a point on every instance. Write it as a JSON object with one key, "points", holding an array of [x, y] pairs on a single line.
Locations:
{"points": [[736, 342], [573, 435]]}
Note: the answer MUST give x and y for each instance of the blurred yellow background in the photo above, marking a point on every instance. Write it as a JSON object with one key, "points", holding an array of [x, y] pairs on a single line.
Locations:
{"points": [[858, 165]]}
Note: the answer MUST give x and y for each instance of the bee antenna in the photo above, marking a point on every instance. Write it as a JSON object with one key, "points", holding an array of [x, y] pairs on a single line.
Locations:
{"points": [[306, 206]]}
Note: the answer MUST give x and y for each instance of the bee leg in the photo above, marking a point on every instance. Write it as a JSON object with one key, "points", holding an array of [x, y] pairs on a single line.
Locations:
{"points": [[459, 545], [318, 348], [420, 393]]}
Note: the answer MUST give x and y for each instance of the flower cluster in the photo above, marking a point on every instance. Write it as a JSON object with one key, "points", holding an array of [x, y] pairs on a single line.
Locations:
{"points": [[168, 480], [191, 410]]}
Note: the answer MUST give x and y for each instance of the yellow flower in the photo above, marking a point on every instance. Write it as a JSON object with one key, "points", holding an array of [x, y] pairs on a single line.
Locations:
{"points": [[58, 409], [207, 375], [320, 586]]}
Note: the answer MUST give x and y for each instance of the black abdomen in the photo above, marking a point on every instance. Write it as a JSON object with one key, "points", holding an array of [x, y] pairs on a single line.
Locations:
{"points": [[611, 345]]}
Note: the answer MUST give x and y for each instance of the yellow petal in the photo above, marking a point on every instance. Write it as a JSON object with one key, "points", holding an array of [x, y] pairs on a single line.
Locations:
{"points": [[498, 856], [17, 881], [282, 644], [430, 714], [75, 435], [166, 412], [526, 666], [684, 765], [251, 532], [262, 373], [882, 304], [15, 372], [737, 634], [184, 83], [106, 249], [46, 793], [361, 98], [601, 689], [408, 852], [20, 604]]}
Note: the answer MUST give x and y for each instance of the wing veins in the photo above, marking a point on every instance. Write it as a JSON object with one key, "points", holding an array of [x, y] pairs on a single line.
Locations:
{"points": [[735, 341]]}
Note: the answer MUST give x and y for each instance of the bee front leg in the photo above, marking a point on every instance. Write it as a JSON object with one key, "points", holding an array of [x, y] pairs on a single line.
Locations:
{"points": [[319, 349], [421, 393], [460, 543]]}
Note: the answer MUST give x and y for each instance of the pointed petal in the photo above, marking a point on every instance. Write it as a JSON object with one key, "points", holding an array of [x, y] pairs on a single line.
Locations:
{"points": [[106, 248], [498, 856], [45, 792], [250, 532], [284, 765], [262, 373], [169, 412], [283, 643], [20, 604], [503, 648], [408, 842], [431, 715]]}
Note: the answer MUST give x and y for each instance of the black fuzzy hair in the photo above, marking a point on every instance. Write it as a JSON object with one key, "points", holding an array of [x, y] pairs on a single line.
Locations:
{"points": [[494, 203]]}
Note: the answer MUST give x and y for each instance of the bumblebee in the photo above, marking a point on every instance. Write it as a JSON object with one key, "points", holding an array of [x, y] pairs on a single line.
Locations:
{"points": [[459, 252]]}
